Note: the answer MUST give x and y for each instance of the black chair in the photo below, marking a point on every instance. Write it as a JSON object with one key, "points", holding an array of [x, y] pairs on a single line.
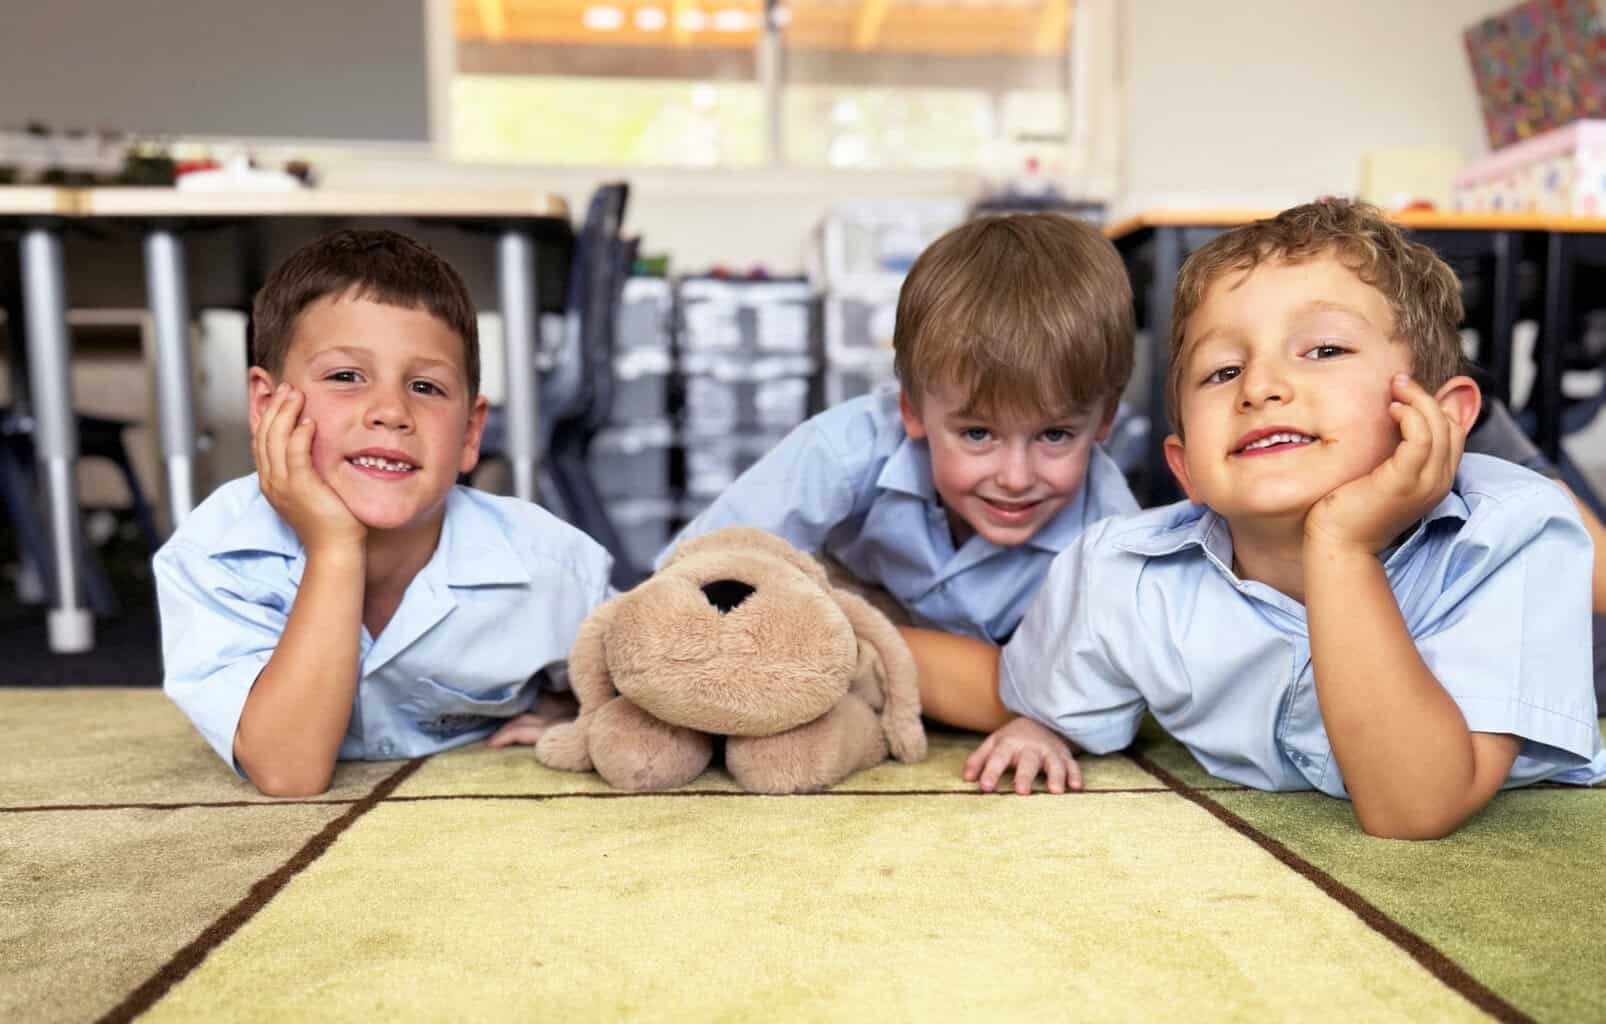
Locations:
{"points": [[98, 437], [576, 391]]}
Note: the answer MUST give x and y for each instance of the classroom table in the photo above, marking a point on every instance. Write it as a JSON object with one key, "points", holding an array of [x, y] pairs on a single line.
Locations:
{"points": [[520, 221], [1154, 244]]}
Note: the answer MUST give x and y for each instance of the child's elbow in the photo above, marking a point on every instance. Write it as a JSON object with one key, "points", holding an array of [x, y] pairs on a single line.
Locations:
{"points": [[278, 784], [1432, 823]]}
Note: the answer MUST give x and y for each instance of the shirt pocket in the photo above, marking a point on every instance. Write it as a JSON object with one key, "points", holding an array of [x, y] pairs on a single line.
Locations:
{"points": [[442, 710]]}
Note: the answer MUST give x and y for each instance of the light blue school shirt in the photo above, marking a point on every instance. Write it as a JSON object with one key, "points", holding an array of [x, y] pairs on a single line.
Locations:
{"points": [[849, 483], [499, 601], [1145, 613]]}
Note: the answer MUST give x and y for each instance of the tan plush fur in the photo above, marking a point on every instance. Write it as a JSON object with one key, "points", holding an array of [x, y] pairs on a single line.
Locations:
{"points": [[738, 635]]}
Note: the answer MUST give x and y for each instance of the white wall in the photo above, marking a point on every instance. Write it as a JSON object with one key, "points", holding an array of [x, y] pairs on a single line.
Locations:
{"points": [[1272, 102], [740, 219]]}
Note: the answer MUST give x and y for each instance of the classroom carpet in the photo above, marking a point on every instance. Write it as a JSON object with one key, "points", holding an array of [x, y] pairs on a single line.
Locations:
{"points": [[140, 880]]}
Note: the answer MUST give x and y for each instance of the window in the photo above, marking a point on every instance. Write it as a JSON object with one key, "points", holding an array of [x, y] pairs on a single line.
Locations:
{"points": [[682, 83]]}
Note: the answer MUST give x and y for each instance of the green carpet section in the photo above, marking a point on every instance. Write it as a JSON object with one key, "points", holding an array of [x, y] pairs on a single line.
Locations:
{"points": [[94, 902], [1115, 907], [1517, 897]]}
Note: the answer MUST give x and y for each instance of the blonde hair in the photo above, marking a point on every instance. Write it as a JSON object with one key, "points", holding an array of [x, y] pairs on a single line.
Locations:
{"points": [[1028, 313], [1422, 291]]}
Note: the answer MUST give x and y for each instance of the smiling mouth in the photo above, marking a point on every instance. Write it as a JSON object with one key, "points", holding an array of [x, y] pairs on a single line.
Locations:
{"points": [[1276, 443], [1011, 508], [374, 462]]}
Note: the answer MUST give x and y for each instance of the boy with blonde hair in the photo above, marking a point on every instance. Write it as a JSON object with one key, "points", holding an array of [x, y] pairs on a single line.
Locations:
{"points": [[1347, 603], [1012, 343], [349, 600]]}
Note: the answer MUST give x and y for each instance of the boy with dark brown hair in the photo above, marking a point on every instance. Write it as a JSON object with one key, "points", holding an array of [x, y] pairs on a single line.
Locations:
{"points": [[1013, 341], [349, 600]]}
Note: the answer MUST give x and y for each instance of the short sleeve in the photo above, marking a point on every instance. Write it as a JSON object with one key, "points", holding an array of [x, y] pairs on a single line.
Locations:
{"points": [[1058, 669], [799, 490], [218, 633], [1510, 637]]}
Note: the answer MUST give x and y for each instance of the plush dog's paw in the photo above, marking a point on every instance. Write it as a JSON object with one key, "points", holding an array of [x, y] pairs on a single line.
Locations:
{"points": [[813, 756], [564, 747], [634, 751]]}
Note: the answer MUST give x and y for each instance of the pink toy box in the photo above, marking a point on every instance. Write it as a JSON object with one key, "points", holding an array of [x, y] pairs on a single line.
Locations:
{"points": [[1562, 171]]}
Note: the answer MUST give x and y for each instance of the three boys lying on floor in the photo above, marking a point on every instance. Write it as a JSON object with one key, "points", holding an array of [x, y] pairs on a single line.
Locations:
{"points": [[1347, 603]]}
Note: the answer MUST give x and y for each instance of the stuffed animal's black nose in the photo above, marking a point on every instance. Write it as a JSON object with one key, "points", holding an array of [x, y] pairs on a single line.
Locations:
{"points": [[726, 594]]}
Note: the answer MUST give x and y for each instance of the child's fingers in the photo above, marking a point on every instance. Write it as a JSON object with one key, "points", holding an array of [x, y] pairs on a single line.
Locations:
{"points": [[977, 758], [1416, 445], [1073, 774], [1026, 769], [298, 447], [994, 770], [259, 439], [1054, 774], [1437, 421]]}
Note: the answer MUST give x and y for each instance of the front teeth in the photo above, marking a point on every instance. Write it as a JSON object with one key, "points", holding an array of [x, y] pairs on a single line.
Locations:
{"points": [[1268, 441], [374, 462]]}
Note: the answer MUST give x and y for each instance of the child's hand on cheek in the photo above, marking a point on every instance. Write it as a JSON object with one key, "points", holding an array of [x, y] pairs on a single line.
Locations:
{"points": [[282, 446], [1369, 512]]}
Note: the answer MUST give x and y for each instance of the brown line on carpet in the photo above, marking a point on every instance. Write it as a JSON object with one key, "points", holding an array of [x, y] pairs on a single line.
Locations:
{"points": [[428, 797], [36, 808], [190, 957], [1452, 974]]}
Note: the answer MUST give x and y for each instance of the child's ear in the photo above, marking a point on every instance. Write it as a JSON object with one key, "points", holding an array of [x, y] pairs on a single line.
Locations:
{"points": [[913, 425], [259, 385], [471, 438], [1460, 398], [1176, 457], [1108, 422]]}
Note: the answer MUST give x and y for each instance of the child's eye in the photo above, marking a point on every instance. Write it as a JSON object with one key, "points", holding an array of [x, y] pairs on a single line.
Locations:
{"points": [[425, 387], [343, 376], [975, 435], [1058, 435], [1223, 375], [1326, 351]]}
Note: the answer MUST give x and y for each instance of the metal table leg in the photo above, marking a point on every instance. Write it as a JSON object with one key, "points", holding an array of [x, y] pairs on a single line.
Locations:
{"points": [[71, 627], [515, 269], [170, 313], [1159, 485], [1552, 336]]}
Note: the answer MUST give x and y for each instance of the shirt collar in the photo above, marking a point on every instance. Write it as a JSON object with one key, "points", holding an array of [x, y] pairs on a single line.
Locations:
{"points": [[474, 550], [908, 470], [1189, 525]]}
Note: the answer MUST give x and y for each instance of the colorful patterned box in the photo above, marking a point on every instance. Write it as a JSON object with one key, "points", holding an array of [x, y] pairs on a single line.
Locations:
{"points": [[1562, 171], [1538, 66]]}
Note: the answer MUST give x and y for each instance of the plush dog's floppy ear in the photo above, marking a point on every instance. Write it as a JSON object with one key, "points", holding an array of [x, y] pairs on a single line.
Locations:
{"points": [[886, 665], [566, 747]]}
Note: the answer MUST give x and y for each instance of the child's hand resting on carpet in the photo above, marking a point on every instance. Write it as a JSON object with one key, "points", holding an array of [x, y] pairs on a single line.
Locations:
{"points": [[1030, 748], [550, 709]]}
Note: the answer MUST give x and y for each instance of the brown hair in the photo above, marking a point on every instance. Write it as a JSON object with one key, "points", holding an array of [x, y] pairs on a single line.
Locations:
{"points": [[1422, 291], [1030, 313], [382, 266]]}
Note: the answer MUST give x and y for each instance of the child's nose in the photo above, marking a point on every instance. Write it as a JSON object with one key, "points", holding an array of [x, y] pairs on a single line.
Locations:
{"points": [[1264, 384], [1015, 471], [389, 410]]}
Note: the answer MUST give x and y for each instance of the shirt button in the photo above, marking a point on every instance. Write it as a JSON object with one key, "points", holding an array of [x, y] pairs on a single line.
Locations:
{"points": [[386, 748]]}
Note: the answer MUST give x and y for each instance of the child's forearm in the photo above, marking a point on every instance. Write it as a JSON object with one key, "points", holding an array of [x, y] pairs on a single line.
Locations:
{"points": [[958, 679], [1412, 767], [298, 710]]}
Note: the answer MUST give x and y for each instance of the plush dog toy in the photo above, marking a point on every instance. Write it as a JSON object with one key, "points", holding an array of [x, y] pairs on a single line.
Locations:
{"points": [[740, 636]]}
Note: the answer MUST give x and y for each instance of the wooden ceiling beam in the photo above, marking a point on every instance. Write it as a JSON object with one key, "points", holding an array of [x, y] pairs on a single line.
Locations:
{"points": [[1052, 24], [868, 28], [493, 20]]}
